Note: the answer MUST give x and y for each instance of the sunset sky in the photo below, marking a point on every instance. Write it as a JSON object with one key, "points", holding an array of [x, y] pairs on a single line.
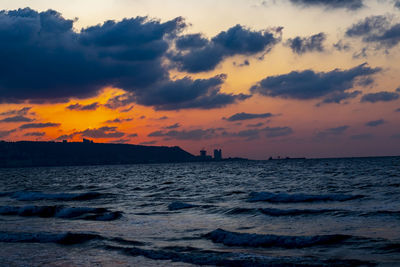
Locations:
{"points": [[298, 78]]}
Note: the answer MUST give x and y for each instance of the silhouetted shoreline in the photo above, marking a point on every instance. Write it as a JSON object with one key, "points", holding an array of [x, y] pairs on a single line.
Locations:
{"points": [[51, 154]]}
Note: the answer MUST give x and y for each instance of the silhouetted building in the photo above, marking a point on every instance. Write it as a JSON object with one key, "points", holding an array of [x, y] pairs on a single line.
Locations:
{"points": [[203, 153], [65, 141], [87, 141], [217, 154]]}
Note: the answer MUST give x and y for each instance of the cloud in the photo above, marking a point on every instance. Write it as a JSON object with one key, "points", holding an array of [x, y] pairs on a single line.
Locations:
{"points": [[248, 116], [380, 97], [338, 97], [375, 123], [397, 110], [342, 46], [278, 131], [133, 135], [17, 118], [103, 132], [377, 30], [64, 63], [397, 4], [35, 134], [332, 131], [204, 55], [188, 93], [256, 125], [196, 134], [21, 112], [39, 125], [118, 120], [129, 54], [348, 4], [120, 141], [269, 132], [80, 107], [301, 45], [173, 126], [308, 84], [6, 133]]}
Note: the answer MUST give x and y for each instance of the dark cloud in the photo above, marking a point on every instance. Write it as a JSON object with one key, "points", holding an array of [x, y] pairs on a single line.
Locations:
{"points": [[80, 107], [397, 4], [376, 29], [348, 4], [270, 132], [237, 40], [342, 46], [64, 63], [256, 125], [190, 41], [103, 132], [246, 62], [118, 120], [301, 45], [380, 97], [66, 136], [248, 116], [332, 131], [18, 118], [128, 54], [304, 85], [397, 110], [35, 134], [278, 131], [6, 133], [120, 141], [187, 93], [133, 135], [196, 134], [338, 97], [361, 136], [21, 112], [173, 126], [375, 123], [39, 125]]}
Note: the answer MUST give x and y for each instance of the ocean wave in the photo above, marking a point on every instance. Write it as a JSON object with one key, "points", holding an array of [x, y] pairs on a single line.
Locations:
{"points": [[295, 212], [295, 198], [32, 196], [215, 258], [63, 238], [83, 213], [180, 205], [257, 240]]}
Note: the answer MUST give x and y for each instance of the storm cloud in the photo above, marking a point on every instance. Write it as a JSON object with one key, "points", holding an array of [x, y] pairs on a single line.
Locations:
{"points": [[332, 86], [127, 54]]}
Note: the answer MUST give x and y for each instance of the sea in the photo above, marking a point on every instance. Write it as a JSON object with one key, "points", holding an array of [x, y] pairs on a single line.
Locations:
{"points": [[314, 212]]}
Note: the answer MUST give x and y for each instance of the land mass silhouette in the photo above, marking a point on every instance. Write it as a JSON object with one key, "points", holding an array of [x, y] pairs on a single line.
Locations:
{"points": [[33, 154]]}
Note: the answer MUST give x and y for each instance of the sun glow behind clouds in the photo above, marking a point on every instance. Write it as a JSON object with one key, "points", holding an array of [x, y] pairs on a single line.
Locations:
{"points": [[243, 70]]}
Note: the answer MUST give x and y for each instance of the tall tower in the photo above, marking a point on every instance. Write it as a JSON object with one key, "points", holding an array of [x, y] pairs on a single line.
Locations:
{"points": [[217, 154]]}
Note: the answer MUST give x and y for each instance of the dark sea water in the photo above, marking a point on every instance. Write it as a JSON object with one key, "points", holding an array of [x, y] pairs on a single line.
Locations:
{"points": [[336, 212]]}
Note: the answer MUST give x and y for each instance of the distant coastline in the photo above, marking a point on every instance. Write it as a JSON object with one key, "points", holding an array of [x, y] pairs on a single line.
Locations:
{"points": [[43, 154]]}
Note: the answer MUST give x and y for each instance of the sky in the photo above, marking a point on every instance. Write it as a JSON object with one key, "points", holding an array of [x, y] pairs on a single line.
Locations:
{"points": [[296, 78]]}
